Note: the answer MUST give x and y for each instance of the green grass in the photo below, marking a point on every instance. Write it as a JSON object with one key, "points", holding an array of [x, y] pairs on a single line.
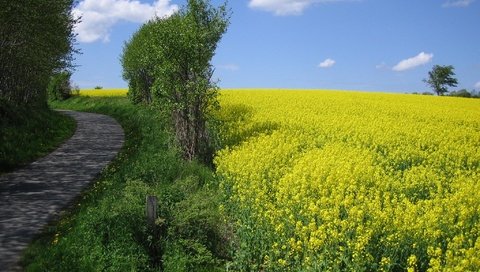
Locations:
{"points": [[27, 134], [106, 229]]}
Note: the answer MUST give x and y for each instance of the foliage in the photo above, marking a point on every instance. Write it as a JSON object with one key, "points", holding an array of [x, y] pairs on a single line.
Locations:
{"points": [[139, 59], [59, 87], [107, 229], [465, 93], [98, 87], [345, 181], [168, 61], [460, 93], [440, 78], [75, 90], [37, 40], [25, 137]]}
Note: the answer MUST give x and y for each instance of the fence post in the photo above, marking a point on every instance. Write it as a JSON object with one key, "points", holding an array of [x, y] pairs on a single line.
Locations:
{"points": [[154, 230], [151, 209]]}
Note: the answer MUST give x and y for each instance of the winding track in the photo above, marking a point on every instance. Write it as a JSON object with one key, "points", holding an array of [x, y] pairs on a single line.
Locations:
{"points": [[32, 196]]}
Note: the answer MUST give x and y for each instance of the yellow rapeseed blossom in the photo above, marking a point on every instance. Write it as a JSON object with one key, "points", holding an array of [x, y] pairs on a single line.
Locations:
{"points": [[103, 92], [350, 181]]}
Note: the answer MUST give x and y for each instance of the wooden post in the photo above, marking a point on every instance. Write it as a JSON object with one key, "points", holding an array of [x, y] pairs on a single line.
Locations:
{"points": [[154, 230], [151, 209]]}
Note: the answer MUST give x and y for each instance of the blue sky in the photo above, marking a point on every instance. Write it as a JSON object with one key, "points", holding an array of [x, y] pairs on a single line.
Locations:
{"points": [[371, 45]]}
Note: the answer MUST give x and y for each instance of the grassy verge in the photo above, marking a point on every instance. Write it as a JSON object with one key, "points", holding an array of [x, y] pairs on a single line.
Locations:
{"points": [[106, 230], [27, 134]]}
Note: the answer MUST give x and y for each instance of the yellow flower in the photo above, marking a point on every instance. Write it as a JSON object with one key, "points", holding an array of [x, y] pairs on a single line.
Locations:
{"points": [[341, 176]]}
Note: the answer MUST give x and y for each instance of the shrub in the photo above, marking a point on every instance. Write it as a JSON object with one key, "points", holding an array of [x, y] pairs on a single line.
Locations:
{"points": [[59, 87], [461, 93], [168, 62]]}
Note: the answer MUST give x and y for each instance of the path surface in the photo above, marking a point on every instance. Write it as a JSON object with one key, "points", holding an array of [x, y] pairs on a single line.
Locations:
{"points": [[32, 196]]}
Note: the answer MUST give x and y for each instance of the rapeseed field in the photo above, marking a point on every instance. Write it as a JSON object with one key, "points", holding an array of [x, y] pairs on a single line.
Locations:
{"points": [[103, 92], [351, 181]]}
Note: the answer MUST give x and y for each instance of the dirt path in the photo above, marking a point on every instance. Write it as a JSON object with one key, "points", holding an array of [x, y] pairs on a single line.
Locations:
{"points": [[32, 196]]}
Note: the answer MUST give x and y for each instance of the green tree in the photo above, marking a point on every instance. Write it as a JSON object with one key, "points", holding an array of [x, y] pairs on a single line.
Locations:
{"points": [[36, 41], [139, 59], [461, 93], [440, 78], [168, 62], [59, 87]]}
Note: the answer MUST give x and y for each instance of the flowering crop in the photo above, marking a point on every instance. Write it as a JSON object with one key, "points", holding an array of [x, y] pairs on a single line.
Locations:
{"points": [[103, 92], [329, 181]]}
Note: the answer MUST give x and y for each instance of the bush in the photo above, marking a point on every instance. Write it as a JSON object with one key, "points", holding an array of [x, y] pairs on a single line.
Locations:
{"points": [[461, 93], [167, 62], [75, 90], [59, 87]]}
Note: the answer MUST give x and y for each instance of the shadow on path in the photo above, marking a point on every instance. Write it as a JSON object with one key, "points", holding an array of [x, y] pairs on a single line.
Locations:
{"points": [[32, 196]]}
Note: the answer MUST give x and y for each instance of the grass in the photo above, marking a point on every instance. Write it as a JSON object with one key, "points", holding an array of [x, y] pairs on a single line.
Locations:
{"points": [[106, 229], [27, 134]]}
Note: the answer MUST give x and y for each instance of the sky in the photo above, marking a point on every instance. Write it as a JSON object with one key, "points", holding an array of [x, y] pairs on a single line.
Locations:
{"points": [[368, 45]]}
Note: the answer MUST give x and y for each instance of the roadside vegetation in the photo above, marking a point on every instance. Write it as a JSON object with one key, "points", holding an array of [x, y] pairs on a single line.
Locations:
{"points": [[25, 137], [36, 41], [106, 230], [167, 64]]}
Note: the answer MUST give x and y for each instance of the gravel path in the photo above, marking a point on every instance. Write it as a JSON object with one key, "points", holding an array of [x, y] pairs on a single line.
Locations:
{"points": [[32, 196]]}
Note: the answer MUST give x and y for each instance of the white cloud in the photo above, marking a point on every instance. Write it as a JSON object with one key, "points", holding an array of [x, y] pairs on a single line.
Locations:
{"points": [[99, 16], [229, 67], [327, 63], [413, 62], [457, 3], [288, 7], [477, 85]]}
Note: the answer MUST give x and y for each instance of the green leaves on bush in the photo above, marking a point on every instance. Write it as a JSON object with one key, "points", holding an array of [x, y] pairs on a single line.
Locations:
{"points": [[59, 87], [167, 62]]}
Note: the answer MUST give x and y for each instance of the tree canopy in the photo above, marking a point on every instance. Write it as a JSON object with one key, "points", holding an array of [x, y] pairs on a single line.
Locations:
{"points": [[36, 41], [440, 78], [167, 62]]}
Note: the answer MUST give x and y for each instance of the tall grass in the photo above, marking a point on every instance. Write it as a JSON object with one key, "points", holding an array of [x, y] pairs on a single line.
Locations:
{"points": [[28, 133]]}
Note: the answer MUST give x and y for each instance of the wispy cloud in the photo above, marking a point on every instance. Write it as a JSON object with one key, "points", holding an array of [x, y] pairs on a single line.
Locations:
{"points": [[457, 3], [477, 85], [229, 67], [99, 16], [382, 65], [288, 7], [327, 63], [413, 62]]}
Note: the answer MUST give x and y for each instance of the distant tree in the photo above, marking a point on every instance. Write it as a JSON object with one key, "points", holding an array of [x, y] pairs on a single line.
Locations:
{"points": [[167, 62], [461, 93], [36, 41], [475, 93], [440, 78]]}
